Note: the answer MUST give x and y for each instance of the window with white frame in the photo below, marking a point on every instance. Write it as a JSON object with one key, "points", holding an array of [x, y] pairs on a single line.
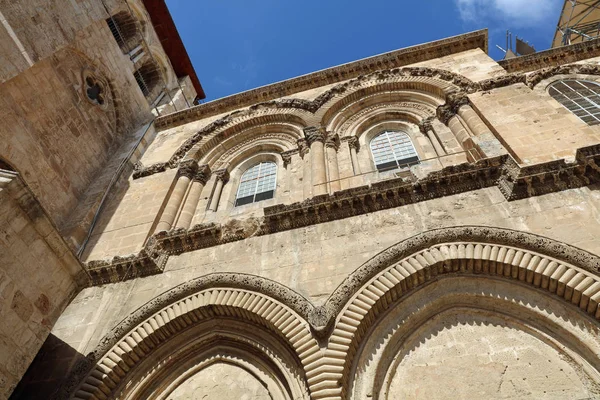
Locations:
{"points": [[582, 98], [393, 149], [257, 183]]}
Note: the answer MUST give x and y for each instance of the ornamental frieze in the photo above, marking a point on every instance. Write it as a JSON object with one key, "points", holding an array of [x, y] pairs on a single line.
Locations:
{"points": [[463, 86], [515, 182], [422, 110]]}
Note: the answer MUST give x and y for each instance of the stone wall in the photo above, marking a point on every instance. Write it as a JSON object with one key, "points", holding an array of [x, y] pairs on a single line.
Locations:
{"points": [[343, 283], [315, 260], [38, 278]]}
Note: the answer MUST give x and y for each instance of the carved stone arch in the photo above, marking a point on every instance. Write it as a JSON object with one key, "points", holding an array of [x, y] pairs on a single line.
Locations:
{"points": [[533, 79], [281, 137], [414, 102], [409, 111], [427, 91], [559, 270], [264, 304], [291, 125]]}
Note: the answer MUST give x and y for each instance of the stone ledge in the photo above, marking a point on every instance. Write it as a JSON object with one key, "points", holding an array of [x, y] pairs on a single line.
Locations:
{"points": [[514, 182], [553, 57], [452, 100]]}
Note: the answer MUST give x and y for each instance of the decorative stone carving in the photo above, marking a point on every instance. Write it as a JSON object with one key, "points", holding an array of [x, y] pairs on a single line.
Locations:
{"points": [[333, 141], [150, 170], [454, 101], [267, 137], [314, 134], [396, 108], [303, 148], [286, 156], [202, 175], [425, 125], [352, 142], [120, 269], [187, 168], [222, 175]]}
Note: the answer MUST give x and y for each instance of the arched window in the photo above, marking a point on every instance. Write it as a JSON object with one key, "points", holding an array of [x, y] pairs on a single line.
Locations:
{"points": [[257, 183], [393, 149], [124, 29], [147, 77], [582, 98]]}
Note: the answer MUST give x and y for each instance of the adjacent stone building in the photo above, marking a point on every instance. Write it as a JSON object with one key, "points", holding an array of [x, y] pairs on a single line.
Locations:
{"points": [[420, 224]]}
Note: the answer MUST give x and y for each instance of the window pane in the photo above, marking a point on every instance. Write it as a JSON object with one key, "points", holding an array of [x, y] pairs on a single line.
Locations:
{"points": [[582, 98], [257, 183], [392, 149]]}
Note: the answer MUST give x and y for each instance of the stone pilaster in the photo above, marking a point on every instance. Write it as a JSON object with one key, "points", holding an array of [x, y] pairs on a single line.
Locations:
{"points": [[222, 176], [185, 173], [315, 138], [190, 204], [332, 145], [353, 147], [427, 129]]}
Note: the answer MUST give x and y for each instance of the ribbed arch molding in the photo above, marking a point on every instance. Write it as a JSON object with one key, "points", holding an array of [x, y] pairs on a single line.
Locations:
{"points": [[576, 285], [112, 368], [326, 339], [421, 90]]}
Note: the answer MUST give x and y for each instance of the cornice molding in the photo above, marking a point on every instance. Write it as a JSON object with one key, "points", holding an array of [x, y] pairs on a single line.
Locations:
{"points": [[515, 182], [476, 252], [553, 57], [394, 59]]}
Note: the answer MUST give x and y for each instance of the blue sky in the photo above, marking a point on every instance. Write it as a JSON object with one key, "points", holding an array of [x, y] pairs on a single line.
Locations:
{"points": [[236, 45]]}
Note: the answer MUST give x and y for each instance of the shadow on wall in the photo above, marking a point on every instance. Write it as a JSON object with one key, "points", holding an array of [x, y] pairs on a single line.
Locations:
{"points": [[53, 362]]}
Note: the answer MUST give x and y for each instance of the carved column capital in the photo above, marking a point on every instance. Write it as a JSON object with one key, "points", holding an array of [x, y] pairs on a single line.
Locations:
{"points": [[286, 156], [202, 175], [333, 141], [302, 147], [352, 142], [425, 125], [454, 101], [222, 175], [314, 134], [187, 168]]}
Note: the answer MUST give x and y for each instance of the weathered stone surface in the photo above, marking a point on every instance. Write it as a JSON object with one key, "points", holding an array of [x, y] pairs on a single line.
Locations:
{"points": [[479, 254]]}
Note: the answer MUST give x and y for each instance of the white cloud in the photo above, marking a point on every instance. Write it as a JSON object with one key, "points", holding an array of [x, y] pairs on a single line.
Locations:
{"points": [[518, 12]]}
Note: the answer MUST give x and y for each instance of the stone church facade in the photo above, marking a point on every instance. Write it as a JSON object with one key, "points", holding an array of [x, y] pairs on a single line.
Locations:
{"points": [[420, 224]]}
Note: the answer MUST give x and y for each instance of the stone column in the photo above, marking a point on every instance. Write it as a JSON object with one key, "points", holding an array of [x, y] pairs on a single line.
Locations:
{"points": [[316, 142], [184, 175], [222, 177], [191, 202], [473, 121], [447, 115], [353, 147], [332, 144], [427, 130], [307, 188]]}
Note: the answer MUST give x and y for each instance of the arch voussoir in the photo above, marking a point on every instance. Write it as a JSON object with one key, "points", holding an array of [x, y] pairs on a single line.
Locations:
{"points": [[113, 367], [573, 284]]}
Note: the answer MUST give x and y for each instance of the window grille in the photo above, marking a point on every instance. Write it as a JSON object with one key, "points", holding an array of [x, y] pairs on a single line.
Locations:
{"points": [[392, 149], [116, 32], [141, 82], [582, 98], [257, 183]]}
